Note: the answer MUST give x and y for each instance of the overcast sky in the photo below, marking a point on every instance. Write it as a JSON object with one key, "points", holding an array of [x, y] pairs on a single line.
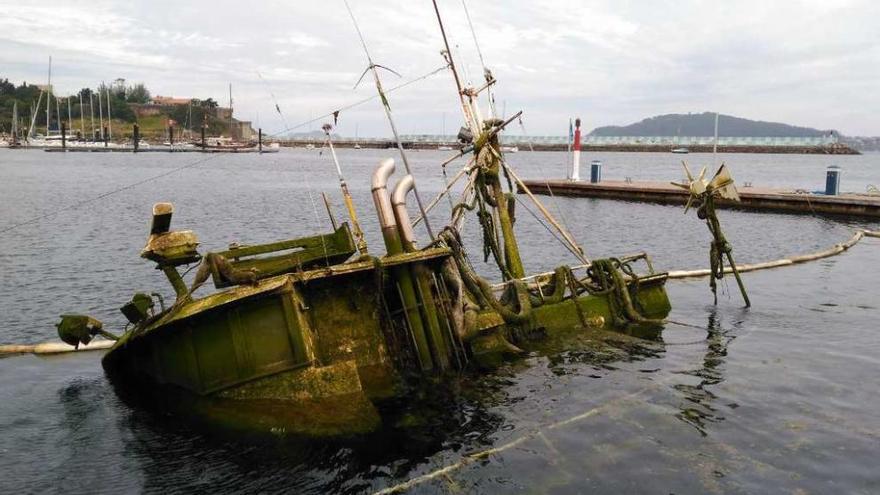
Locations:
{"points": [[811, 62]]}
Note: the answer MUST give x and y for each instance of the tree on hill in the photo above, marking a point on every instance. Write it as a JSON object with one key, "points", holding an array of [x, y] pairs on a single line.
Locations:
{"points": [[138, 93]]}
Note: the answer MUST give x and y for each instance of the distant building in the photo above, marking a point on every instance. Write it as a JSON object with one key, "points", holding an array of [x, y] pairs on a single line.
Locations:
{"points": [[167, 101], [223, 113]]}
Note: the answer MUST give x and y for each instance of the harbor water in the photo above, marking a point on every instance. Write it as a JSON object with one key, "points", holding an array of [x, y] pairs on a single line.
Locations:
{"points": [[781, 397]]}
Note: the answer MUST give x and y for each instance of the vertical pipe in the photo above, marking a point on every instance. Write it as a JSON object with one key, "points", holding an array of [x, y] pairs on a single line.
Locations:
{"points": [[63, 136], [400, 274], [438, 343], [171, 135], [203, 136], [576, 152], [105, 136], [136, 131], [260, 139]]}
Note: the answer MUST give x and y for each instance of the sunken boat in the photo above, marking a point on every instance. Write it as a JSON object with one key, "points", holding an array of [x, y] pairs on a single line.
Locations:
{"points": [[311, 335], [306, 326]]}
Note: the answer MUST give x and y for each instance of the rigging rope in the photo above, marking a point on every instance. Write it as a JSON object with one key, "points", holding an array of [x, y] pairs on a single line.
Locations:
{"points": [[359, 102]]}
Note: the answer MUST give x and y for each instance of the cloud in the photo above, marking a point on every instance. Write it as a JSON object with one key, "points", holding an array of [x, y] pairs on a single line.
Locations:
{"points": [[806, 62]]}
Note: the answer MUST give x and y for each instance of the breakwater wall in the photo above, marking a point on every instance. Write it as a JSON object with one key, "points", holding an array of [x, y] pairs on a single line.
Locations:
{"points": [[835, 149]]}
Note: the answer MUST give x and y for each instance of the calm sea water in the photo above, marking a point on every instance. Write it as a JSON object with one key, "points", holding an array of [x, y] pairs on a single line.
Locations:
{"points": [[781, 397]]}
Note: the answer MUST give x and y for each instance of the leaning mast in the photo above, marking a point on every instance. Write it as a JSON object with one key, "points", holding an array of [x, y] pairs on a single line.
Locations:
{"points": [[387, 107]]}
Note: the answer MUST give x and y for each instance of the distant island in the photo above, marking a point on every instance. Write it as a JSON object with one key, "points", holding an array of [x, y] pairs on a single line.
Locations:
{"points": [[703, 125]]}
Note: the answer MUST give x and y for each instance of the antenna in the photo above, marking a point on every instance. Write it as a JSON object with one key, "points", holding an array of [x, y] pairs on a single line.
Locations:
{"points": [[373, 68]]}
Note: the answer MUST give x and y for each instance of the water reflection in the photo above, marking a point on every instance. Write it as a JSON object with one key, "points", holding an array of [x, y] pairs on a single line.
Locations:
{"points": [[699, 406]]}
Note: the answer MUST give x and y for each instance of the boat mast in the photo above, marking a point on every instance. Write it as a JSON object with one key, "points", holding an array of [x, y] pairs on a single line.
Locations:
{"points": [[349, 204], [49, 97], [469, 117], [101, 114], [14, 122], [82, 119], [109, 121], [58, 112], [34, 112], [387, 107], [92, 112], [230, 110]]}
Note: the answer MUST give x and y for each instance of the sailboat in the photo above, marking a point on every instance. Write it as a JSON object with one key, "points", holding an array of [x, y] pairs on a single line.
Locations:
{"points": [[312, 334]]}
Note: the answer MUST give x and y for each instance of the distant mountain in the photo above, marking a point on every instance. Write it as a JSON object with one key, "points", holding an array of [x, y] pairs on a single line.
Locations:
{"points": [[703, 124]]}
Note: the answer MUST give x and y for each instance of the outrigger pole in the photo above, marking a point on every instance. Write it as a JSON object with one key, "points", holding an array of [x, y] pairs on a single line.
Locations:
{"points": [[349, 204], [374, 69]]}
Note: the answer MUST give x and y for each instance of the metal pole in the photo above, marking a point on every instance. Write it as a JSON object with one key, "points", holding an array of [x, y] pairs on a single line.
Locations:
{"points": [[349, 204], [469, 118], [387, 108]]}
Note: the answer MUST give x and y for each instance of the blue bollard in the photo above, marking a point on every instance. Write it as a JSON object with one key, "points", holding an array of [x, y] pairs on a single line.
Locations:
{"points": [[832, 181], [595, 171]]}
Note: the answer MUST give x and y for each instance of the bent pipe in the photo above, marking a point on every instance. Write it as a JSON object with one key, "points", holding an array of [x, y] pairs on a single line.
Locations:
{"points": [[398, 203], [384, 209], [439, 343]]}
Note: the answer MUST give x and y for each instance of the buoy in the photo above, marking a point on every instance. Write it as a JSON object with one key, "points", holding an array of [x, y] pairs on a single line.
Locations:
{"points": [[791, 260], [53, 347]]}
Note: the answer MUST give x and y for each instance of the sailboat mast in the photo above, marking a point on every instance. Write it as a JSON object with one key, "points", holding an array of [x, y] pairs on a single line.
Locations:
{"points": [[14, 122], [92, 111], [82, 119], [49, 96], [109, 121], [101, 114], [34, 111], [387, 107], [230, 110]]}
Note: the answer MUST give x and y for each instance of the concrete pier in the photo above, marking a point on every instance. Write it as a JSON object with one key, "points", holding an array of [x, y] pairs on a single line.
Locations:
{"points": [[753, 198]]}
